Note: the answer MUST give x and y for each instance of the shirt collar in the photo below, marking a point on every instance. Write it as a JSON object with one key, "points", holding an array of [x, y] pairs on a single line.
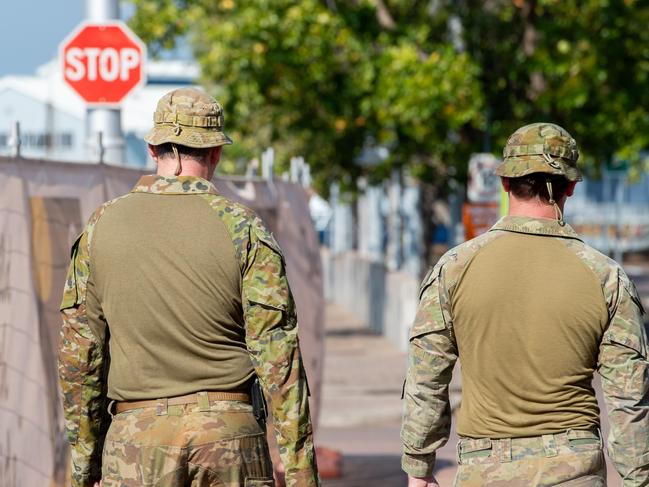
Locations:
{"points": [[535, 226], [173, 185]]}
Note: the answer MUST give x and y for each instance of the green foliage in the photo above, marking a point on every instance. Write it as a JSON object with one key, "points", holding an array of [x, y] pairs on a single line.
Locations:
{"points": [[320, 78], [583, 64], [432, 80]]}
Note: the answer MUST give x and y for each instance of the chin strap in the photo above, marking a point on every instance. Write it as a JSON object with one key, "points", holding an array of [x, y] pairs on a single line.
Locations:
{"points": [[179, 166], [557, 210]]}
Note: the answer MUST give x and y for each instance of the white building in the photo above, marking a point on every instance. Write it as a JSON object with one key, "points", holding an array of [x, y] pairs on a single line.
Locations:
{"points": [[53, 117]]}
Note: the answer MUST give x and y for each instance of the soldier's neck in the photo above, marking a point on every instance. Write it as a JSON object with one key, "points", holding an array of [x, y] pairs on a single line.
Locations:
{"points": [[167, 167], [533, 208]]}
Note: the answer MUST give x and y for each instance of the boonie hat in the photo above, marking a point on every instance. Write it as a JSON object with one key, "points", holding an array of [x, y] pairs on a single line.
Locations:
{"points": [[189, 117], [540, 147]]}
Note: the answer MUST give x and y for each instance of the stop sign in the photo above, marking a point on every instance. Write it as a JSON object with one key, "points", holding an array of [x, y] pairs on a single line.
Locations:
{"points": [[103, 62]]}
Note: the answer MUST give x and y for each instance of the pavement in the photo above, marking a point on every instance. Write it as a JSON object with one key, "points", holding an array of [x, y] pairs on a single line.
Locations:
{"points": [[361, 407]]}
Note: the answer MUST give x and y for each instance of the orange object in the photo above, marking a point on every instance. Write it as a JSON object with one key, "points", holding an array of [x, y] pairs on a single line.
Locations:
{"points": [[477, 218]]}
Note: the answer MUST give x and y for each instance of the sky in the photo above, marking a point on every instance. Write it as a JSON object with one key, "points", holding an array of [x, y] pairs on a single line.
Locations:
{"points": [[32, 30]]}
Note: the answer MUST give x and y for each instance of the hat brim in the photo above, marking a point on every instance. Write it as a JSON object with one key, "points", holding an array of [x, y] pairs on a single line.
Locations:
{"points": [[516, 167], [190, 137]]}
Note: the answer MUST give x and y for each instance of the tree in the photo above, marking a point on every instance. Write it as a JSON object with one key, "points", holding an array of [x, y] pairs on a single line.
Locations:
{"points": [[431, 80], [581, 63], [321, 77]]}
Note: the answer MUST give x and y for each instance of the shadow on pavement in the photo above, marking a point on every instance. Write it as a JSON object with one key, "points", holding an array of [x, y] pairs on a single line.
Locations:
{"points": [[374, 471], [366, 470]]}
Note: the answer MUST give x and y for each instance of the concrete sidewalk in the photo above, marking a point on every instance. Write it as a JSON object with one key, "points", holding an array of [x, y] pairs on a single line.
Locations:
{"points": [[361, 406]]}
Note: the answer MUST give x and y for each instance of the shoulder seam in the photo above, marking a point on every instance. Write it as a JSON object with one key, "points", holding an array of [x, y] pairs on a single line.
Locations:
{"points": [[97, 216], [208, 198], [463, 266], [614, 267]]}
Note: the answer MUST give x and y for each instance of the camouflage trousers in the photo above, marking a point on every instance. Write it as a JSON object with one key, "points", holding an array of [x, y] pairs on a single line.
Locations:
{"points": [[572, 459], [218, 445]]}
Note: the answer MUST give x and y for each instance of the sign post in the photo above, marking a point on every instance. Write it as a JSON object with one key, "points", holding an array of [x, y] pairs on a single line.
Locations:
{"points": [[103, 61], [481, 210]]}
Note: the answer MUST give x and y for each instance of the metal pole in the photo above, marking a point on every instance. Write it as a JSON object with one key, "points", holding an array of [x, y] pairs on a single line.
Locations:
{"points": [[107, 121], [618, 253]]}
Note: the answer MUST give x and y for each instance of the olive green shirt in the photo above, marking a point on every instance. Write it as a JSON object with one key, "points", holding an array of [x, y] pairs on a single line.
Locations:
{"points": [[531, 312], [169, 288], [528, 317], [174, 289]]}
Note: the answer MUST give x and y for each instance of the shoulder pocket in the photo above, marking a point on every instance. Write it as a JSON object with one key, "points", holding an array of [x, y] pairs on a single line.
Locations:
{"points": [[70, 289], [428, 279], [630, 288], [627, 327], [266, 281], [267, 237], [430, 315]]}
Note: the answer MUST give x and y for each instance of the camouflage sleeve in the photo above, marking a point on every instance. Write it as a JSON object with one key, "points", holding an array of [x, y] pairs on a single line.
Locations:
{"points": [[624, 370], [272, 340], [81, 361], [432, 355]]}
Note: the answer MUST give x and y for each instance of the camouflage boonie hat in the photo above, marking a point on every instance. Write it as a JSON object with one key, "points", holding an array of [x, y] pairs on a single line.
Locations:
{"points": [[188, 117], [540, 147]]}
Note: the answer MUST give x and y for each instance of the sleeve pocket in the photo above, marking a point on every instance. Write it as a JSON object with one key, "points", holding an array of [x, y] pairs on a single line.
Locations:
{"points": [[266, 284], [430, 316], [629, 340]]}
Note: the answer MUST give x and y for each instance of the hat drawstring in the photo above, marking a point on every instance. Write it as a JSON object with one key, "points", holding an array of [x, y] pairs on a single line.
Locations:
{"points": [[551, 162], [557, 211], [179, 167]]}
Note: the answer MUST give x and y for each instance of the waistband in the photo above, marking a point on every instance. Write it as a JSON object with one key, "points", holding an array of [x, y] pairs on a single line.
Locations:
{"points": [[508, 449], [201, 399]]}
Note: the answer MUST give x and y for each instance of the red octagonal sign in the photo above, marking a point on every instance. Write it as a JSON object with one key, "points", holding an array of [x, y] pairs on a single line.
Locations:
{"points": [[103, 62]]}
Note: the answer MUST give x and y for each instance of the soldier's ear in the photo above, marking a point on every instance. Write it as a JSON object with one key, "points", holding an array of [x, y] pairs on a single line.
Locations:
{"points": [[505, 183], [151, 150], [215, 154], [570, 189]]}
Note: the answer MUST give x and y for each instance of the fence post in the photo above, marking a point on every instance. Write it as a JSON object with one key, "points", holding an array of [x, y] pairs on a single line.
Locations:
{"points": [[15, 142], [101, 150], [295, 169], [251, 168], [267, 163], [306, 174]]}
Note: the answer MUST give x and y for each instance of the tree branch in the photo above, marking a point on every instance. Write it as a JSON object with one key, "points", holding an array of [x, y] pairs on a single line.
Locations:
{"points": [[383, 16]]}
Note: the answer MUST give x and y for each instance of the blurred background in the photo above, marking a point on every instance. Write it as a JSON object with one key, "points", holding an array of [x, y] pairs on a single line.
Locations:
{"points": [[366, 133]]}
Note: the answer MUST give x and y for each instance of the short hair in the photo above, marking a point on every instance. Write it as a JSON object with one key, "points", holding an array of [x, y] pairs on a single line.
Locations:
{"points": [[197, 153], [534, 186]]}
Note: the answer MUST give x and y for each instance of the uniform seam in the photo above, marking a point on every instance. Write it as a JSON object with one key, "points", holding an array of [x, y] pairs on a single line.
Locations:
{"points": [[207, 199], [102, 211], [467, 264], [237, 251], [598, 279]]}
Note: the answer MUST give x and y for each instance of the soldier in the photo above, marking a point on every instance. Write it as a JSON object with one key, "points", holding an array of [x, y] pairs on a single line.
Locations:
{"points": [[531, 311], [188, 292]]}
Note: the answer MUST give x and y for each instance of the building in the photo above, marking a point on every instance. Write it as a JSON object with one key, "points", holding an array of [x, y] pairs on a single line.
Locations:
{"points": [[52, 116]]}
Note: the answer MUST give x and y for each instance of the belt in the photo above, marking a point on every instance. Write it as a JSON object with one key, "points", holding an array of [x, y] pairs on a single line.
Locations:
{"points": [[509, 449], [120, 407]]}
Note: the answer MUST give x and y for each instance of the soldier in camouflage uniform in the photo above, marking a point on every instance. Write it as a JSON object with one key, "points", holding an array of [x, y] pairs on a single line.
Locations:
{"points": [[531, 311], [185, 292]]}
